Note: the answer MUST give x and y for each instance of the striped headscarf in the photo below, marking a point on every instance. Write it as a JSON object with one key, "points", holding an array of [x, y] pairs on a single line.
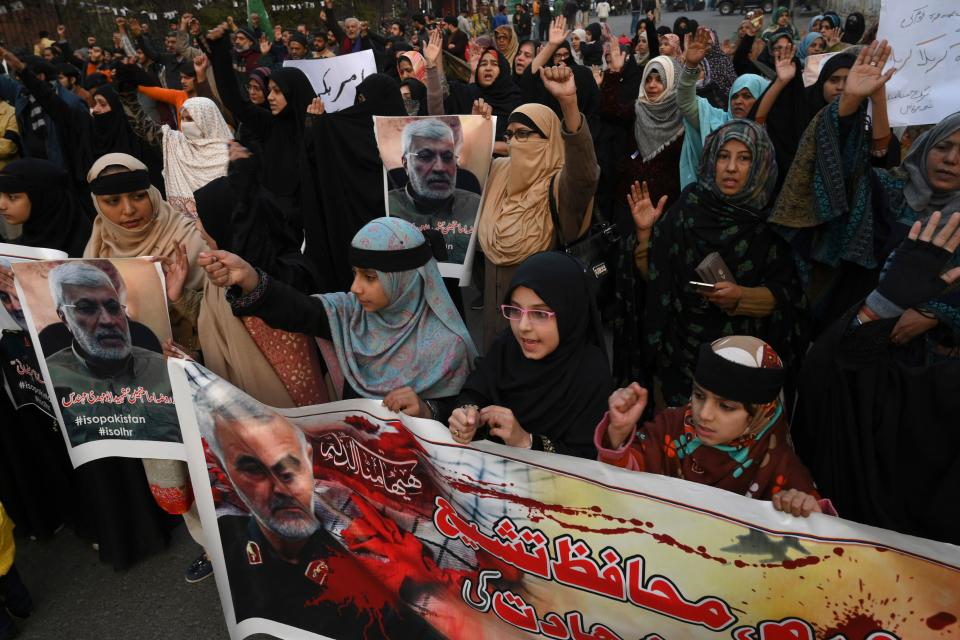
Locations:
{"points": [[763, 166]]}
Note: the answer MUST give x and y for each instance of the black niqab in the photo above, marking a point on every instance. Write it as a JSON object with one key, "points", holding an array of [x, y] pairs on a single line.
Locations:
{"points": [[564, 395], [111, 133], [57, 221], [345, 162]]}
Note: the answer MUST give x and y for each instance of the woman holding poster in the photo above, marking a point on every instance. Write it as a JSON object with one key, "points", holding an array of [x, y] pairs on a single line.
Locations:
{"points": [[134, 220]]}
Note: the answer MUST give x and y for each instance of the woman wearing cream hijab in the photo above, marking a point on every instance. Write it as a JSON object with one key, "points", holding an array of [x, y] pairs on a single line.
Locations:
{"points": [[133, 221], [515, 220]]}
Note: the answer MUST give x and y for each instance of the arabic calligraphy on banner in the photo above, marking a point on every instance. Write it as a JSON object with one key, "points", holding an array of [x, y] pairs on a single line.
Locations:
{"points": [[494, 542], [335, 79], [925, 38]]}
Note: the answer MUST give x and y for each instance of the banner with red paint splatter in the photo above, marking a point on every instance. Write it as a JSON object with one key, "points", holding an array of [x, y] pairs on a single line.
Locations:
{"points": [[348, 521]]}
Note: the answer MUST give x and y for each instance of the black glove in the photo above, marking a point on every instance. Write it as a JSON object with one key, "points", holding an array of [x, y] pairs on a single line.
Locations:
{"points": [[912, 274]]}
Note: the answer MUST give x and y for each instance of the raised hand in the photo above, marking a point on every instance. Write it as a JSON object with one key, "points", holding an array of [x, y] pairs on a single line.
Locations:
{"points": [[136, 29], [176, 268], [217, 32], [481, 108], [12, 61], [624, 408], [833, 36], [597, 75], [200, 65], [316, 108], [617, 59], [264, 45], [645, 215], [697, 48], [475, 52], [914, 272], [559, 82], [558, 31], [866, 75], [434, 47], [786, 69]]}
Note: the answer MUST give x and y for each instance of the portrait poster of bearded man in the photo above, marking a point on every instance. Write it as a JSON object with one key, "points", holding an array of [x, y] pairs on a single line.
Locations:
{"points": [[434, 171], [98, 326]]}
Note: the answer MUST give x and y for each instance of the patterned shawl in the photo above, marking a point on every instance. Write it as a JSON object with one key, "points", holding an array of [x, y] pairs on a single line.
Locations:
{"points": [[702, 221], [190, 163], [418, 340]]}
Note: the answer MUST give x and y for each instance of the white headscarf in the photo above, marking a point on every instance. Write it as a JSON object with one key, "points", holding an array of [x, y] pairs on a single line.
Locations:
{"points": [[191, 162]]}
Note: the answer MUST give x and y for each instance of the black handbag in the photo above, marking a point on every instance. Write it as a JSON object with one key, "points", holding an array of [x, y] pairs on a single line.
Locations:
{"points": [[596, 250]]}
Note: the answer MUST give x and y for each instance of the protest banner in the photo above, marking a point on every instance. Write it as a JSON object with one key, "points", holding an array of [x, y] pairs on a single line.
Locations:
{"points": [[335, 79], [348, 521], [434, 169], [925, 38], [22, 379], [97, 326]]}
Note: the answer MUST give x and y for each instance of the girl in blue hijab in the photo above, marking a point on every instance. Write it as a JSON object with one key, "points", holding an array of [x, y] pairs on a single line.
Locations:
{"points": [[700, 118], [395, 335]]}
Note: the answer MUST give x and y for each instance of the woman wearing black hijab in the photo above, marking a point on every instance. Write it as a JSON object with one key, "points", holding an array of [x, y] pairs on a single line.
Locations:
{"points": [[344, 161], [34, 193], [854, 28], [414, 94], [48, 208], [544, 382], [242, 218], [280, 129], [592, 51], [492, 83], [112, 134], [553, 52]]}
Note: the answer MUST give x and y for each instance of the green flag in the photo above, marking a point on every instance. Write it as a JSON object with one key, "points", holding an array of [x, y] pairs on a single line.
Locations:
{"points": [[259, 8]]}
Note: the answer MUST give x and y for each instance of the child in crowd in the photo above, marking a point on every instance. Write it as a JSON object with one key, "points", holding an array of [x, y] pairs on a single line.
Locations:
{"points": [[732, 434]]}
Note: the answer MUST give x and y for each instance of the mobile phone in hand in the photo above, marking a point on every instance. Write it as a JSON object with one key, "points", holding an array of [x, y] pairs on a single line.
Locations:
{"points": [[702, 285]]}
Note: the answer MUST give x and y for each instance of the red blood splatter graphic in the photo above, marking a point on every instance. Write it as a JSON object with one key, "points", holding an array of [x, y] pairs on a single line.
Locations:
{"points": [[854, 625], [800, 562], [539, 510], [941, 620], [838, 551]]}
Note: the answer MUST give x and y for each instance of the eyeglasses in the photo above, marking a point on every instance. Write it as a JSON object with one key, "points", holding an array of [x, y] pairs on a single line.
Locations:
{"points": [[537, 316], [91, 309], [428, 156], [520, 134]]}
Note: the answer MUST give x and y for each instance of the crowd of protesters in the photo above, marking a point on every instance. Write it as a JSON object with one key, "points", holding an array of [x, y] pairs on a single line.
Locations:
{"points": [[818, 369]]}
